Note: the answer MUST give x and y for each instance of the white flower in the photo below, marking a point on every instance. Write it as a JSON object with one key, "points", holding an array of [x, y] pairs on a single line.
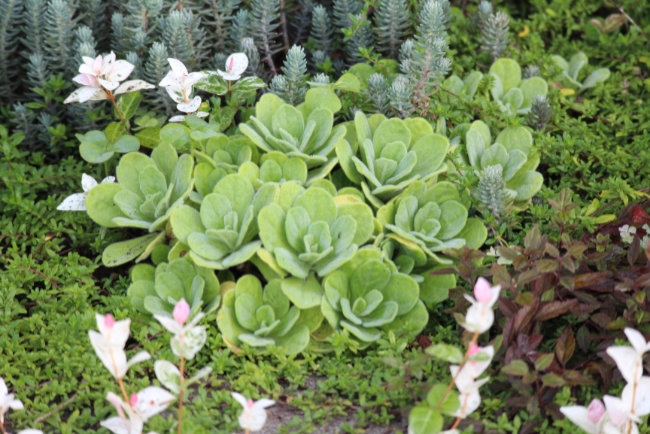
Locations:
{"points": [[77, 201], [629, 360], [627, 233], [591, 419], [30, 431], [7, 401], [179, 84], [479, 317], [253, 417], [236, 64], [101, 74], [145, 404], [188, 338], [109, 345], [469, 398]]}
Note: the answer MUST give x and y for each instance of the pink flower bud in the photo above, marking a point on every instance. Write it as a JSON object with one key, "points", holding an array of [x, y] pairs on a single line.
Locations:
{"points": [[109, 321], [181, 311], [250, 403], [473, 349], [595, 411], [482, 291], [134, 399]]}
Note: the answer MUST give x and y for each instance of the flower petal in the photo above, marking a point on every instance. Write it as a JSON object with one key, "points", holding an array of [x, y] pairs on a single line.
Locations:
{"points": [[87, 182], [228, 76], [628, 362], [263, 403], [190, 106], [578, 415], [636, 339], [193, 78], [82, 94], [237, 63], [115, 425], [121, 70], [152, 400], [240, 399], [106, 84], [177, 118], [132, 86], [74, 202], [169, 323], [178, 67]]}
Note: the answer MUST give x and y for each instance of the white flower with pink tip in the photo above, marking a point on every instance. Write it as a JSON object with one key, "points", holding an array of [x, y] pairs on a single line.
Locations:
{"points": [[236, 64], [479, 359], [253, 417], [102, 75], [480, 317], [141, 407], [109, 345], [77, 201], [188, 339], [179, 84], [619, 415]]}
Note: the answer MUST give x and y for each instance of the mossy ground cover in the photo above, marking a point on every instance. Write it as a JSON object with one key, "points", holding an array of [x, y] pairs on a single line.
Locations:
{"points": [[597, 143]]}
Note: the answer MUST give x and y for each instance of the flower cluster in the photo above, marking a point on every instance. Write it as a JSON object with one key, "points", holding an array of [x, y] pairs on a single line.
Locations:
{"points": [[100, 79], [628, 233], [253, 416], [479, 317], [140, 408], [179, 84], [188, 339], [135, 410], [619, 415], [466, 378], [465, 373], [109, 345]]}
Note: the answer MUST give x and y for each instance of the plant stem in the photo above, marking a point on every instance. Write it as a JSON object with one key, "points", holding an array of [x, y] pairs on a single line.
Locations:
{"points": [[111, 98], [123, 389], [180, 396], [2, 428], [460, 368]]}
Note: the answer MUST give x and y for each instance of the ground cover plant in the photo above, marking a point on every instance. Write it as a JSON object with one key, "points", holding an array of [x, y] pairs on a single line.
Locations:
{"points": [[344, 216]]}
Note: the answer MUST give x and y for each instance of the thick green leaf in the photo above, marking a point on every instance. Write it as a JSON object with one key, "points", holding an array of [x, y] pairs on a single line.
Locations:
{"points": [[128, 104], [124, 251], [424, 420], [304, 293]]}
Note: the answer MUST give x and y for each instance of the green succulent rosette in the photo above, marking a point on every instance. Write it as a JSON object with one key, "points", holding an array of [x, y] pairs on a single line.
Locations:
{"points": [[148, 190], [158, 289], [306, 132], [223, 155], [571, 71], [368, 297], [514, 95], [386, 155], [223, 232], [425, 220], [275, 167], [466, 87], [311, 230], [261, 317], [513, 151]]}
